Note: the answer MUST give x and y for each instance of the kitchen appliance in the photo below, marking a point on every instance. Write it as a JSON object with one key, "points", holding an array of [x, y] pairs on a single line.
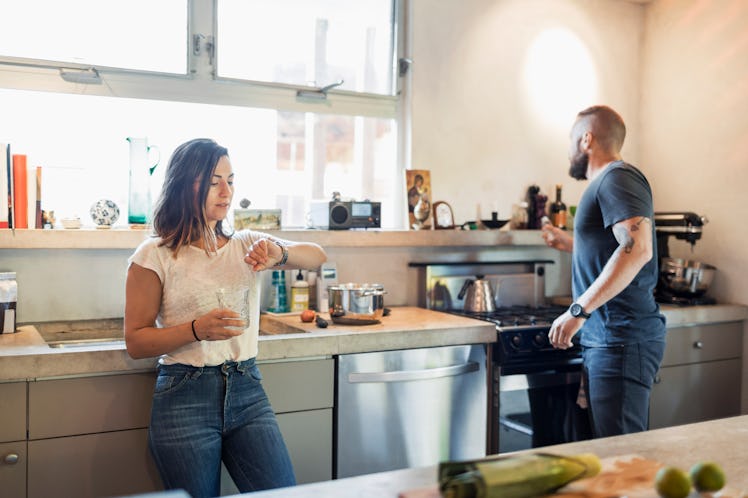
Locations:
{"points": [[683, 277], [355, 214], [356, 304], [410, 408], [534, 386], [477, 295], [687, 226]]}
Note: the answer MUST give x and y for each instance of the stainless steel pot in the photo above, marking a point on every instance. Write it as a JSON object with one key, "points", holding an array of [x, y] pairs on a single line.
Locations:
{"points": [[356, 304], [478, 295], [685, 277]]}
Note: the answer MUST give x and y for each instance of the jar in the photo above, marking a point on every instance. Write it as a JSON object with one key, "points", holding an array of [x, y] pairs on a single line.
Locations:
{"points": [[519, 216], [8, 301]]}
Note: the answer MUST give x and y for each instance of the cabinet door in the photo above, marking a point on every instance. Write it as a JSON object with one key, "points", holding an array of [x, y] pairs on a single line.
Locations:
{"points": [[13, 411], [94, 465], [13, 469], [693, 393], [299, 385], [308, 436], [86, 405]]}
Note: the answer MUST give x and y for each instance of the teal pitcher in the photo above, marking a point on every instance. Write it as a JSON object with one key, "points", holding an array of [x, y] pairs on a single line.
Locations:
{"points": [[141, 169]]}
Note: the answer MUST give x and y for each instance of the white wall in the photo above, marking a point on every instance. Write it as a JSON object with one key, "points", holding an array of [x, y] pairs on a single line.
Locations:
{"points": [[694, 117], [481, 126]]}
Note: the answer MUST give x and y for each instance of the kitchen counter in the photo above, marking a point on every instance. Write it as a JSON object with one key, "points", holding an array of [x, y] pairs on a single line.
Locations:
{"points": [[26, 356], [722, 441]]}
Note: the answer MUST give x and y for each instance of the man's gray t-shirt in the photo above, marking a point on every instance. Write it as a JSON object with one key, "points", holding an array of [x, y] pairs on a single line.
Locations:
{"points": [[620, 192]]}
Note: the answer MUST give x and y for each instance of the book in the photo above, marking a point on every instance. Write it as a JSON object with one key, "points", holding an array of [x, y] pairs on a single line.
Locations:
{"points": [[4, 187], [20, 192], [39, 221], [31, 197]]}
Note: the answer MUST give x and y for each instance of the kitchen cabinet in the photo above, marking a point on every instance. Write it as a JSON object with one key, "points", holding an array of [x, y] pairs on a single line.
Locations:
{"points": [[13, 439], [700, 375], [88, 436]]}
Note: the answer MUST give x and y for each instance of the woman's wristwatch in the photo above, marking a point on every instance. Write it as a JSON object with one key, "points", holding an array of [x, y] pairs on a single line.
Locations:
{"points": [[284, 254]]}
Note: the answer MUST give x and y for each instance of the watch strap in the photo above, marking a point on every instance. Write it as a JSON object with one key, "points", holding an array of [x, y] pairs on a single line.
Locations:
{"points": [[284, 253]]}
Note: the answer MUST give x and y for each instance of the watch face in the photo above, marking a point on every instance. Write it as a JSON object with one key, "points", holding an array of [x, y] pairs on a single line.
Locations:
{"points": [[577, 311]]}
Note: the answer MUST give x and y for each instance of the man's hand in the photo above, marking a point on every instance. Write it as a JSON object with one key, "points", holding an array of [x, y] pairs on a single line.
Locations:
{"points": [[563, 329], [557, 238]]}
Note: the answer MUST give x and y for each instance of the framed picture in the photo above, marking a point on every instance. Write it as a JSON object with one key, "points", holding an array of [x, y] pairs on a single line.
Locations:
{"points": [[418, 183], [443, 216], [257, 219]]}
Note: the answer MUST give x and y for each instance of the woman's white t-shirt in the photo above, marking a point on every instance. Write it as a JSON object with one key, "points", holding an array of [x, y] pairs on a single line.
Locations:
{"points": [[189, 284]]}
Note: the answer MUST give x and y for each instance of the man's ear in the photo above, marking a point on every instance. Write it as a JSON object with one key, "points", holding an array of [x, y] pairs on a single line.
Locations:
{"points": [[586, 142]]}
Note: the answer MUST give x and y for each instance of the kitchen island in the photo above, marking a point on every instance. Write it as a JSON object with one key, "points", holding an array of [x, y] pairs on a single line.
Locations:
{"points": [[722, 441]]}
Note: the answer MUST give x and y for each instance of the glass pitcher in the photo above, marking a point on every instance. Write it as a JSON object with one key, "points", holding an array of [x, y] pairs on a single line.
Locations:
{"points": [[141, 169]]}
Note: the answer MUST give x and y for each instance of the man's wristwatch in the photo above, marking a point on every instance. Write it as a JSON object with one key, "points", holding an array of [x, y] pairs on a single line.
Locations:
{"points": [[577, 311]]}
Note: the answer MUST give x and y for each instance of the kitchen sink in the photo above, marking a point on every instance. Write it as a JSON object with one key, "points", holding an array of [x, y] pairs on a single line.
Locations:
{"points": [[80, 343], [82, 333]]}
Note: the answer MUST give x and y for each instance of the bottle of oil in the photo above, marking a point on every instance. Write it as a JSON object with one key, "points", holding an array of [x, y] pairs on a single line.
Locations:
{"points": [[558, 211]]}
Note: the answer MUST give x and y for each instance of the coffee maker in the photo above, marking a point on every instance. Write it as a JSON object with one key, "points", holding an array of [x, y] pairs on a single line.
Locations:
{"points": [[685, 226]]}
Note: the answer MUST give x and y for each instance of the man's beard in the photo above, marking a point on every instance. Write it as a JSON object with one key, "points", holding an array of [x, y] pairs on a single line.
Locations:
{"points": [[578, 166]]}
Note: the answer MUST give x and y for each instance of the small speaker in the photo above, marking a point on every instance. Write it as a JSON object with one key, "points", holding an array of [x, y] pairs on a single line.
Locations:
{"points": [[340, 215]]}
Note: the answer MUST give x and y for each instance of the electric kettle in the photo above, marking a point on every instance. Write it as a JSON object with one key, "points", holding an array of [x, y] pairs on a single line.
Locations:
{"points": [[478, 295]]}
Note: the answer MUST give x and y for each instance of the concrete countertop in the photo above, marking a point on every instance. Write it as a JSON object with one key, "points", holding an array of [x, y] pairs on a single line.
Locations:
{"points": [[722, 441], [25, 355]]}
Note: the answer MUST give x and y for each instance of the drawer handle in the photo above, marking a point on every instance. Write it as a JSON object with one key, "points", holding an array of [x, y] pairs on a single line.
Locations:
{"points": [[11, 458], [698, 345]]}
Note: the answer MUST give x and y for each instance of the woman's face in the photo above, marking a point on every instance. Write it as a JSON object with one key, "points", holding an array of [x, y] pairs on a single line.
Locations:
{"points": [[220, 192]]}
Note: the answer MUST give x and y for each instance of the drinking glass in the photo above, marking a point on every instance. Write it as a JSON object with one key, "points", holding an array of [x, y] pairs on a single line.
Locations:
{"points": [[235, 299]]}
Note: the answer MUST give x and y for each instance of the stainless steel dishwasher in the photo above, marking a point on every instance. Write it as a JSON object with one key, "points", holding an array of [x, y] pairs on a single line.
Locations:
{"points": [[410, 408]]}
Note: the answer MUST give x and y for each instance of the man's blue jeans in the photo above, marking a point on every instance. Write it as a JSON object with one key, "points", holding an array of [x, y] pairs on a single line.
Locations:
{"points": [[618, 383], [201, 416]]}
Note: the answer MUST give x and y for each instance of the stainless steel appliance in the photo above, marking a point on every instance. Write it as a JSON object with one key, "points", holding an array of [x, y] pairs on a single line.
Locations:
{"points": [[410, 408], [671, 288], [534, 386]]}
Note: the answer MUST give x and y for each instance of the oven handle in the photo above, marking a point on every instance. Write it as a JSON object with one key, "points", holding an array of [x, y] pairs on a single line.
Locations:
{"points": [[521, 382], [405, 375]]}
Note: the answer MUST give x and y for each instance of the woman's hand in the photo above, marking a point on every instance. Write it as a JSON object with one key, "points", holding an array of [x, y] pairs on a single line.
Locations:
{"points": [[213, 326], [263, 254], [556, 238]]}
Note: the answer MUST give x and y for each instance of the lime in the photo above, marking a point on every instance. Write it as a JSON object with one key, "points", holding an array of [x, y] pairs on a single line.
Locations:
{"points": [[672, 482], [707, 476]]}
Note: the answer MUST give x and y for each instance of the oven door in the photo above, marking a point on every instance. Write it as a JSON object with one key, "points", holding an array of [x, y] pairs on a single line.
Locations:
{"points": [[539, 408]]}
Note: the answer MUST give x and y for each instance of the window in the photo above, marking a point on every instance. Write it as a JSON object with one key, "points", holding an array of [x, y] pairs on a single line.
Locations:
{"points": [[286, 151], [308, 43], [137, 34]]}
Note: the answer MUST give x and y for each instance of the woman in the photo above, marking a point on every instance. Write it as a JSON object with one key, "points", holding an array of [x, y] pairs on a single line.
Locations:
{"points": [[209, 405]]}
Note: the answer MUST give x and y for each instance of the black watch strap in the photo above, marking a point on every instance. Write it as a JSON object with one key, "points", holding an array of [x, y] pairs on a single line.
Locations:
{"points": [[577, 311]]}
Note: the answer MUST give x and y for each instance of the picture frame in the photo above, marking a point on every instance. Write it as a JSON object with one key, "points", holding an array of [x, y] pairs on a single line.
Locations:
{"points": [[443, 216], [418, 194], [257, 219]]}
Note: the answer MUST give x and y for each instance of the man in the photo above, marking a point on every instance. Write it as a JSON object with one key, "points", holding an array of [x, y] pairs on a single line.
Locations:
{"points": [[614, 272]]}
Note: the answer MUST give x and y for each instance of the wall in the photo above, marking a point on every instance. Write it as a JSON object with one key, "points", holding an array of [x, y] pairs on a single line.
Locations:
{"points": [[66, 284], [497, 84], [694, 118]]}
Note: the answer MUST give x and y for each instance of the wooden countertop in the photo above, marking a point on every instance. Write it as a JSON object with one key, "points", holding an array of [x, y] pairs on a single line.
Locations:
{"points": [[722, 441]]}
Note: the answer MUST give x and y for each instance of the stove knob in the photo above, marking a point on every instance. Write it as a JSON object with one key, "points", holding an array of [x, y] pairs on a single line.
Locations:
{"points": [[540, 339], [516, 322], [516, 341]]}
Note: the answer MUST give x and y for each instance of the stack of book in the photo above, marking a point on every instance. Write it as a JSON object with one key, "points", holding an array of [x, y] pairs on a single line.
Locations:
{"points": [[21, 185]]}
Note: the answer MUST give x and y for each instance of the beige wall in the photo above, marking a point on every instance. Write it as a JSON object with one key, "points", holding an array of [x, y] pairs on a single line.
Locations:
{"points": [[476, 123], [694, 119]]}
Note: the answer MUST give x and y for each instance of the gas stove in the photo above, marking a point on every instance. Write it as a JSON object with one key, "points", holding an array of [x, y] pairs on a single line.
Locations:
{"points": [[523, 336]]}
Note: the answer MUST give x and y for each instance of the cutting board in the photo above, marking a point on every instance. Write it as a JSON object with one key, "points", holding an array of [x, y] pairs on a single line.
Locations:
{"points": [[631, 476]]}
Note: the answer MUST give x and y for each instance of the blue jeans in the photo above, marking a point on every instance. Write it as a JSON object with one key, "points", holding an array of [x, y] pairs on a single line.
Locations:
{"points": [[201, 416], [618, 383]]}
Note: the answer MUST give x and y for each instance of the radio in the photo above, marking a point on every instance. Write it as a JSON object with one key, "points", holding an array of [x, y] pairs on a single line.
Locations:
{"points": [[353, 214]]}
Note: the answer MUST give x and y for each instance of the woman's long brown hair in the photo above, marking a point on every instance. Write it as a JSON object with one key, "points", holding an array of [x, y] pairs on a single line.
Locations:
{"points": [[179, 215]]}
